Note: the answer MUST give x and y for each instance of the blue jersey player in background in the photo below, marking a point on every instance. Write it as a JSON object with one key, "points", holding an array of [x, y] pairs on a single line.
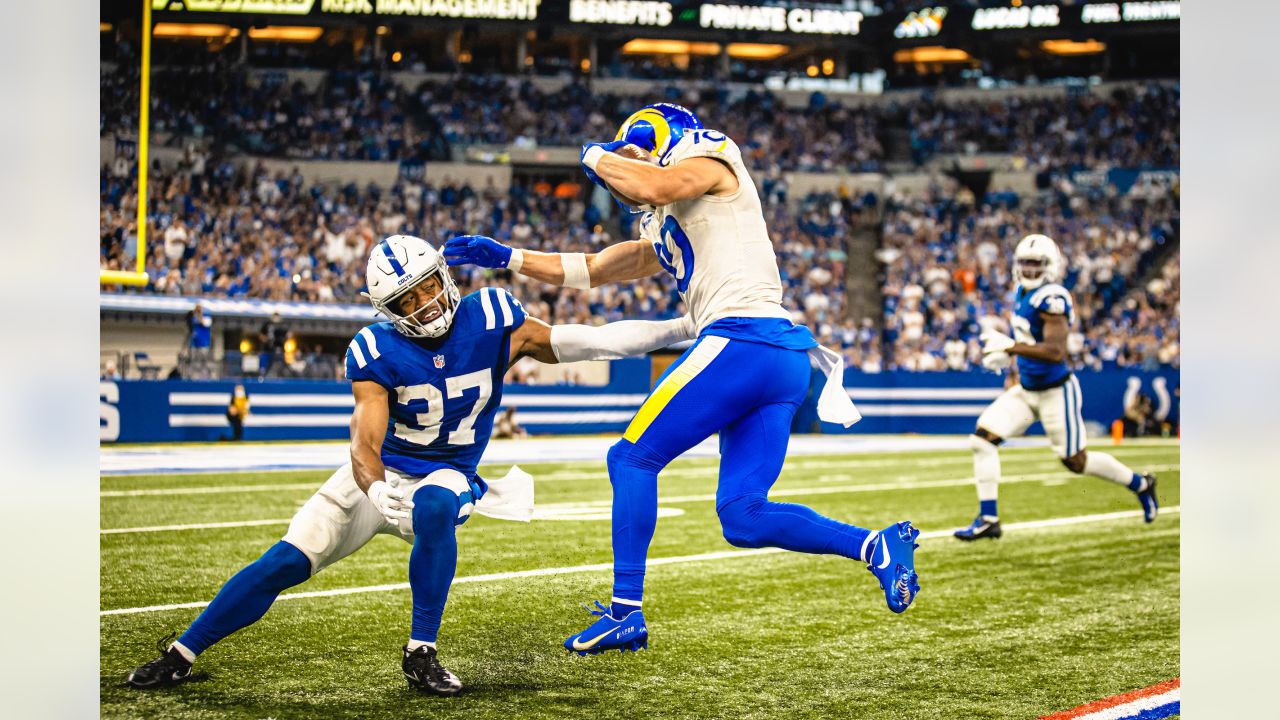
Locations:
{"points": [[1042, 388], [427, 386]]}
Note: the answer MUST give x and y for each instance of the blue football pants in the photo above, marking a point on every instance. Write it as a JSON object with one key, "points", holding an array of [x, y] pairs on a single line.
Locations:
{"points": [[748, 392]]}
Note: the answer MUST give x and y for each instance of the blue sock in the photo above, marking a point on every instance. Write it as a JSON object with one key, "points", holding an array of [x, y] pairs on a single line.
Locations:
{"points": [[434, 558], [620, 610], [987, 507], [247, 595], [1136, 483], [633, 472], [752, 521]]}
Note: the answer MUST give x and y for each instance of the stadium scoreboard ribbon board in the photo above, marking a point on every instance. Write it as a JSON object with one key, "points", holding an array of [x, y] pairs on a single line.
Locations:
{"points": [[451, 9], [715, 21]]}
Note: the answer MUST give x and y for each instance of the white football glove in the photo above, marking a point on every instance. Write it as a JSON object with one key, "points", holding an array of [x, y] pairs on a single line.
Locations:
{"points": [[996, 361], [995, 342], [390, 502]]}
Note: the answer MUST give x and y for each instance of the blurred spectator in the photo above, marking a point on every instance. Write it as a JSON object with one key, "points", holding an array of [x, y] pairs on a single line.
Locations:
{"points": [[273, 335], [507, 427], [238, 412], [200, 339]]}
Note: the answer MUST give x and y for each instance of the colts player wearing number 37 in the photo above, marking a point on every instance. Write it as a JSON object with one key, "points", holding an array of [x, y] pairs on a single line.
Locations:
{"points": [[744, 378], [427, 386], [1042, 388]]}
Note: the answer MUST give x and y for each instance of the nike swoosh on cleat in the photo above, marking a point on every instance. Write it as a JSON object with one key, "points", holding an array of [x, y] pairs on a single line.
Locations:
{"points": [[594, 641], [884, 546]]}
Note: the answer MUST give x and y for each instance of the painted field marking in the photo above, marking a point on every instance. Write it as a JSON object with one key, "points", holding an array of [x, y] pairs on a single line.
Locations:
{"points": [[1158, 701], [1051, 478], [702, 557], [599, 475]]}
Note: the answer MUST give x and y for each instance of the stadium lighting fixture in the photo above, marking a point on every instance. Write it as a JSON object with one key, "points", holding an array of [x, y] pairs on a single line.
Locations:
{"points": [[287, 33], [1072, 47], [931, 54], [104, 27], [757, 51], [194, 30], [650, 46]]}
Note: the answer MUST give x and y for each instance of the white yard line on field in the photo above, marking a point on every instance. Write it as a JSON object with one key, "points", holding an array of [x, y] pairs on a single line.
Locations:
{"points": [[1057, 478], [600, 567], [693, 472]]}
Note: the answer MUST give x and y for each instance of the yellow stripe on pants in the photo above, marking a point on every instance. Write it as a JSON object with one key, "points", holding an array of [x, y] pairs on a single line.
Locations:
{"points": [[697, 361]]}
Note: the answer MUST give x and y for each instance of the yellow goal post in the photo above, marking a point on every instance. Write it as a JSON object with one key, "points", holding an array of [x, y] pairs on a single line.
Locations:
{"points": [[139, 276]]}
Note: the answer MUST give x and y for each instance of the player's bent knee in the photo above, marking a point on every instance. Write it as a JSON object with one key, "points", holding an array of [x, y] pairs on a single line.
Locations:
{"points": [[984, 436], [981, 445], [626, 454], [284, 566], [738, 523], [1076, 462], [434, 507]]}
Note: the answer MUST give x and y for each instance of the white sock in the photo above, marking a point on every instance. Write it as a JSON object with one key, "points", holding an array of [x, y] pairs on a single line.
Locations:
{"points": [[184, 652], [415, 644], [986, 469], [1107, 467]]}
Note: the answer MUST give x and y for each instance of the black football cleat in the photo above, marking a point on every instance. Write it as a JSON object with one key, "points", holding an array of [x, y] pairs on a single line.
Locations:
{"points": [[980, 528], [1150, 505], [165, 671], [425, 673]]}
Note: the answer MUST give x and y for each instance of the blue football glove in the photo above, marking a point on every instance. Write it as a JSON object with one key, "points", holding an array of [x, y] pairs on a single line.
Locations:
{"points": [[607, 147], [476, 250]]}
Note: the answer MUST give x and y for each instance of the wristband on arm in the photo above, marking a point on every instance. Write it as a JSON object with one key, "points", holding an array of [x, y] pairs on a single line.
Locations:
{"points": [[576, 274]]}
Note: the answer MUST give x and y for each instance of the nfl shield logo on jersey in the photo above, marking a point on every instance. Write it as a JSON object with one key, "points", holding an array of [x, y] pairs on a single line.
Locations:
{"points": [[439, 359]]}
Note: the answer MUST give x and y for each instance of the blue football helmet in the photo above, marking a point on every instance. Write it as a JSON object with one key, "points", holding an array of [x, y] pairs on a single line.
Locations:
{"points": [[657, 128]]}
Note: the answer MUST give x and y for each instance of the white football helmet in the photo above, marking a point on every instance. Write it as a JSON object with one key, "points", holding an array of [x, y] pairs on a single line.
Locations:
{"points": [[1036, 261], [396, 266]]}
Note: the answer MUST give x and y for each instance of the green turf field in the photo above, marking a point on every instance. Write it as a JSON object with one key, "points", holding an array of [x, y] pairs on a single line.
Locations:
{"points": [[1042, 620]]}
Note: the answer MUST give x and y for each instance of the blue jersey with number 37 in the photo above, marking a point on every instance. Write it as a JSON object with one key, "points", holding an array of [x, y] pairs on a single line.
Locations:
{"points": [[1030, 307], [444, 391]]}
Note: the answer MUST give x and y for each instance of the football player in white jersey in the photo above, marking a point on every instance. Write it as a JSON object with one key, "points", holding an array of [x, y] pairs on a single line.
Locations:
{"points": [[744, 378], [1042, 388]]}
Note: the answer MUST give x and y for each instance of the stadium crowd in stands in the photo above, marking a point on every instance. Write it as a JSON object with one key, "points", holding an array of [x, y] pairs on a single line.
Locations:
{"points": [[238, 230], [370, 116]]}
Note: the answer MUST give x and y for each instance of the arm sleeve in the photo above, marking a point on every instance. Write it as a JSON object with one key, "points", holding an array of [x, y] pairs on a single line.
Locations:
{"points": [[625, 338]]}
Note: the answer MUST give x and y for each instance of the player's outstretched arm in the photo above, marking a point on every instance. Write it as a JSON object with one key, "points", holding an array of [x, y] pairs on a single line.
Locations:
{"points": [[629, 260], [572, 343], [656, 185], [368, 428]]}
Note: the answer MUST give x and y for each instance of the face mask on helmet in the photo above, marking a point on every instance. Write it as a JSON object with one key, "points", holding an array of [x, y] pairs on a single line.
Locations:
{"points": [[1032, 269], [409, 282], [657, 128]]}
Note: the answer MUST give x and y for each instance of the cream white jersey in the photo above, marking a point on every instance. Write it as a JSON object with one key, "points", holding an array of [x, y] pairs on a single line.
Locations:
{"points": [[717, 247]]}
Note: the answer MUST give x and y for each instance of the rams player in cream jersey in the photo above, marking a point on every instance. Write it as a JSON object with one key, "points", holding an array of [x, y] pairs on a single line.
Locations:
{"points": [[744, 377], [1043, 389]]}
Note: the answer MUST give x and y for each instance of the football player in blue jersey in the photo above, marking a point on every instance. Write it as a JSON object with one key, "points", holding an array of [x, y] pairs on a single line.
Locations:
{"points": [[743, 379], [427, 385], [1042, 388]]}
